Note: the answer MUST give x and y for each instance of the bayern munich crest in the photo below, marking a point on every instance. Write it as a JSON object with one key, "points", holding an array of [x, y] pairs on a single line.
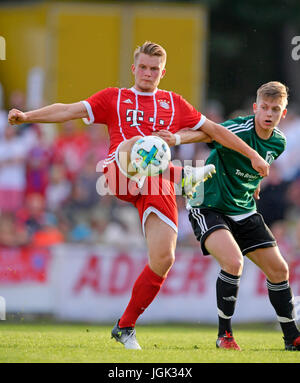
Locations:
{"points": [[164, 104]]}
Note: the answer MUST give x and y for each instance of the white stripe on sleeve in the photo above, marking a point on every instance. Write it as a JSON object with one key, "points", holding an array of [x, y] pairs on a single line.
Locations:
{"points": [[200, 123], [91, 118]]}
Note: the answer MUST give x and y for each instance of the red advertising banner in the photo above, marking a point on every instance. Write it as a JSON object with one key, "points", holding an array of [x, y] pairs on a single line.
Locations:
{"points": [[18, 265], [94, 283]]}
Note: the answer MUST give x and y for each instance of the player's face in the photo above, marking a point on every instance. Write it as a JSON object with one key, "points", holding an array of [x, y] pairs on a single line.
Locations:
{"points": [[148, 70], [268, 112]]}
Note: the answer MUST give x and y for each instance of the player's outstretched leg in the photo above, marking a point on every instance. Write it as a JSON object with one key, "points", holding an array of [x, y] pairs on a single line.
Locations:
{"points": [[193, 176], [126, 336], [145, 289], [161, 242]]}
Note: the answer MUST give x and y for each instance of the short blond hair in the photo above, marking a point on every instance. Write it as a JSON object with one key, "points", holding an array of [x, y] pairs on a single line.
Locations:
{"points": [[151, 49], [273, 90]]}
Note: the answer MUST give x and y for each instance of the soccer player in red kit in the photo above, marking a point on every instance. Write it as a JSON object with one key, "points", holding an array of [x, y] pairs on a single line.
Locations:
{"points": [[131, 114]]}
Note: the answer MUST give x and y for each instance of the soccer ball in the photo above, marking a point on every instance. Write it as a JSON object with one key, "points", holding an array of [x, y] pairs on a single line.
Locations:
{"points": [[150, 156]]}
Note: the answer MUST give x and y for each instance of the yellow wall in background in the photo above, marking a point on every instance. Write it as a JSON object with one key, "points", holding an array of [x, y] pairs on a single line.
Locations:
{"points": [[24, 31], [86, 47], [181, 30]]}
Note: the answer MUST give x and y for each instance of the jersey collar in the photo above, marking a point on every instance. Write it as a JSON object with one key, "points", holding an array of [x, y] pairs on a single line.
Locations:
{"points": [[135, 91]]}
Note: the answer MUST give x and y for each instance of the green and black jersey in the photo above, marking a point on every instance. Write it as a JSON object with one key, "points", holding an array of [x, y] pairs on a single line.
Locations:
{"points": [[230, 191]]}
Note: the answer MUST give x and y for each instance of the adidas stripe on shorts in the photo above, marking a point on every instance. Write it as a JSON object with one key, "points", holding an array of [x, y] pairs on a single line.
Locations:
{"points": [[250, 233]]}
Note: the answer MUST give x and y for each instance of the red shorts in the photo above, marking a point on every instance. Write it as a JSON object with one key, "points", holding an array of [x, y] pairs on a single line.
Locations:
{"points": [[156, 195]]}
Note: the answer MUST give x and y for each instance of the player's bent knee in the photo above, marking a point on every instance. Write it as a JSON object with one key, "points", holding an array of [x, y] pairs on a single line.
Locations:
{"points": [[167, 258], [285, 271], [234, 266], [170, 259], [162, 262], [279, 274]]}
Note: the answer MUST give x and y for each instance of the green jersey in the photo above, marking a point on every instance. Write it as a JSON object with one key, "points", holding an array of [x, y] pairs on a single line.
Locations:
{"points": [[230, 191]]}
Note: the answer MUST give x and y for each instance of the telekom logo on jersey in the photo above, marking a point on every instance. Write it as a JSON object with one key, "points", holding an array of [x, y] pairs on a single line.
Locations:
{"points": [[134, 115]]}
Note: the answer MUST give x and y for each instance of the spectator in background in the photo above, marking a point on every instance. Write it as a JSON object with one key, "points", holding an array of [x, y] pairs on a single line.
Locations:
{"points": [[97, 147], [293, 198], [76, 211], [98, 143], [33, 215], [38, 163], [59, 188], [12, 170], [40, 225], [296, 240], [12, 234], [78, 201], [70, 148], [273, 193], [100, 217], [84, 198], [87, 179], [132, 233], [282, 235], [289, 162]]}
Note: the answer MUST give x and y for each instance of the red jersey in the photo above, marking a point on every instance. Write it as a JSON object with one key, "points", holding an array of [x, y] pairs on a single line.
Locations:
{"points": [[128, 113]]}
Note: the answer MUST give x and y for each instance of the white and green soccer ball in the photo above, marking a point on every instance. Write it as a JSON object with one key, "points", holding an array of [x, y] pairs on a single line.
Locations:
{"points": [[150, 156]]}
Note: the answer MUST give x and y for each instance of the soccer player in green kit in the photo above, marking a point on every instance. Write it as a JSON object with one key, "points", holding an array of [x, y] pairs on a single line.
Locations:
{"points": [[225, 220]]}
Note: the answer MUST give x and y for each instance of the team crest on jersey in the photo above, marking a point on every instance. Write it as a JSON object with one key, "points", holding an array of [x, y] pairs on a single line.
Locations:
{"points": [[270, 157], [164, 104]]}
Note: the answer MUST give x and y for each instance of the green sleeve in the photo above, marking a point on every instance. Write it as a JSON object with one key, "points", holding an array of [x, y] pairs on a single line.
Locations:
{"points": [[235, 122]]}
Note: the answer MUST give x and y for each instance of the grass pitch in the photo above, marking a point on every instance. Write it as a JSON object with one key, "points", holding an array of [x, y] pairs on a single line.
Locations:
{"points": [[87, 343]]}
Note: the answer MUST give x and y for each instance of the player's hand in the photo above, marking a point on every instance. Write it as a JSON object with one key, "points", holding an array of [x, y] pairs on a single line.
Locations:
{"points": [[15, 117], [256, 194], [260, 165], [167, 136]]}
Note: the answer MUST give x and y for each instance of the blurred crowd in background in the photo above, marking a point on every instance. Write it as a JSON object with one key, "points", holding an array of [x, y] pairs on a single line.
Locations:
{"points": [[48, 183]]}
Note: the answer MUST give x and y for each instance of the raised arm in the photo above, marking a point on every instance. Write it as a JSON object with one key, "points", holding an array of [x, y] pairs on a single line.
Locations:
{"points": [[51, 113], [212, 131], [232, 141]]}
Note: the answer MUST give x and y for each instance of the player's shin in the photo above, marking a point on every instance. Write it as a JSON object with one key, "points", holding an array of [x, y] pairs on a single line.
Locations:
{"points": [[281, 298], [144, 291], [227, 290]]}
